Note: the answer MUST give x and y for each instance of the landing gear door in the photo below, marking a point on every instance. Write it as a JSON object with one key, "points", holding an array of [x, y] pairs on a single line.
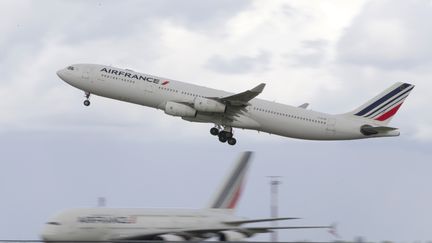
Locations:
{"points": [[146, 86], [331, 126]]}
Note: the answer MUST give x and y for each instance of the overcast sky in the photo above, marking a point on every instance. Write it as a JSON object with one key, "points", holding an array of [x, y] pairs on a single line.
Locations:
{"points": [[57, 154]]}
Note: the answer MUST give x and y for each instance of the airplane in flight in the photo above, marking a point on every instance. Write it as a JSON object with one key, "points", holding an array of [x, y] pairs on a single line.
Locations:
{"points": [[217, 221], [241, 110]]}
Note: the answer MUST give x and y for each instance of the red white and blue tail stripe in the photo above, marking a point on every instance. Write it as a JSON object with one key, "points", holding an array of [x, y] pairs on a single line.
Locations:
{"points": [[230, 191], [384, 106]]}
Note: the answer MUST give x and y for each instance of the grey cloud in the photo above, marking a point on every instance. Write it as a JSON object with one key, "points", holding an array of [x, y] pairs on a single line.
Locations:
{"points": [[389, 35], [312, 53], [83, 20], [76, 22], [199, 14], [288, 10], [239, 64]]}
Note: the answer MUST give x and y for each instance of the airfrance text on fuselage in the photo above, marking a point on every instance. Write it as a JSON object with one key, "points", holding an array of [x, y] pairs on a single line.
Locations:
{"points": [[107, 220], [130, 75]]}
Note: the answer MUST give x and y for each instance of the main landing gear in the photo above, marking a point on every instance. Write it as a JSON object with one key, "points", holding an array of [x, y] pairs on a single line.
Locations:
{"points": [[87, 96], [224, 135]]}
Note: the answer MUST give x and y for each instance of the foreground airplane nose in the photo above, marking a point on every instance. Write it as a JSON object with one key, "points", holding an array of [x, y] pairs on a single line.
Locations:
{"points": [[48, 235], [45, 237]]}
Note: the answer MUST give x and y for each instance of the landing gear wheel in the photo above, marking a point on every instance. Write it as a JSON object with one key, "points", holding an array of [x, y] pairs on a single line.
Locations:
{"points": [[232, 141], [223, 137], [87, 96], [214, 131]]}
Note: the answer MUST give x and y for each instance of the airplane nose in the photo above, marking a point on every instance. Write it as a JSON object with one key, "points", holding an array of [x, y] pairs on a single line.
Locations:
{"points": [[45, 237], [48, 235], [61, 74]]}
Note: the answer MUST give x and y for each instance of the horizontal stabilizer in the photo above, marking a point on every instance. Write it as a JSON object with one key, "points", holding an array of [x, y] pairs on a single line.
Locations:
{"points": [[238, 222], [370, 130], [303, 106]]}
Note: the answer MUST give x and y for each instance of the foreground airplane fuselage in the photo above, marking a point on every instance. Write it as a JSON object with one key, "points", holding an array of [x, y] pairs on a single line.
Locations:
{"points": [[104, 224], [227, 110]]}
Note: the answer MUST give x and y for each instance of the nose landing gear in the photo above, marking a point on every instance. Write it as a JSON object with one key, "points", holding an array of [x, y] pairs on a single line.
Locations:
{"points": [[87, 96], [224, 135]]}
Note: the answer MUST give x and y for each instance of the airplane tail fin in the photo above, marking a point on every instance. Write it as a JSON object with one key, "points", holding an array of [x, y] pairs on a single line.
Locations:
{"points": [[231, 189], [384, 106]]}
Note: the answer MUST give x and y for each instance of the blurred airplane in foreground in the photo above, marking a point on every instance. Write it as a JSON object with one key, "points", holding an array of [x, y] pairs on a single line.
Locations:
{"points": [[116, 224]]}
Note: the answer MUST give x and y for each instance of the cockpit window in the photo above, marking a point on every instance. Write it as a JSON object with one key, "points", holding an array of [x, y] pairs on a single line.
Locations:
{"points": [[54, 223], [70, 68]]}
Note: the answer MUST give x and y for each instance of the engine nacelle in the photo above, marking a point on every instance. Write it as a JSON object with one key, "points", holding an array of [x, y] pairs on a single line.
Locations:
{"points": [[169, 237], [229, 235], [208, 105], [177, 109]]}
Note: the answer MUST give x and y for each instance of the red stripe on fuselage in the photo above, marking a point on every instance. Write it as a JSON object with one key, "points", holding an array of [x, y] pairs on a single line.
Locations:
{"points": [[389, 113], [235, 198]]}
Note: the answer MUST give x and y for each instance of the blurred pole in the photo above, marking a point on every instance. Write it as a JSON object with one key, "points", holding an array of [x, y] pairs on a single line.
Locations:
{"points": [[274, 207]]}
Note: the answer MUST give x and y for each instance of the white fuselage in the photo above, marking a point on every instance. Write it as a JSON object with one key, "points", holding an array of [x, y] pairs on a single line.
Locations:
{"points": [[261, 115], [103, 224]]}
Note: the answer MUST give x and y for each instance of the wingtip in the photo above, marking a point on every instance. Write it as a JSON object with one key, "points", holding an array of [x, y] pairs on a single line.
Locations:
{"points": [[259, 88]]}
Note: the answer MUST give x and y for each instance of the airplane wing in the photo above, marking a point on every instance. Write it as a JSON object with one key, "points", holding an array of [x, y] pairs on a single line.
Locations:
{"points": [[239, 222], [270, 229], [243, 98], [205, 233]]}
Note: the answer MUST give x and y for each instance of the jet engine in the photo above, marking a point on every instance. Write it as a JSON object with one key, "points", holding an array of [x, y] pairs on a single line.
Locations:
{"points": [[178, 109], [169, 237], [229, 235], [209, 105]]}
